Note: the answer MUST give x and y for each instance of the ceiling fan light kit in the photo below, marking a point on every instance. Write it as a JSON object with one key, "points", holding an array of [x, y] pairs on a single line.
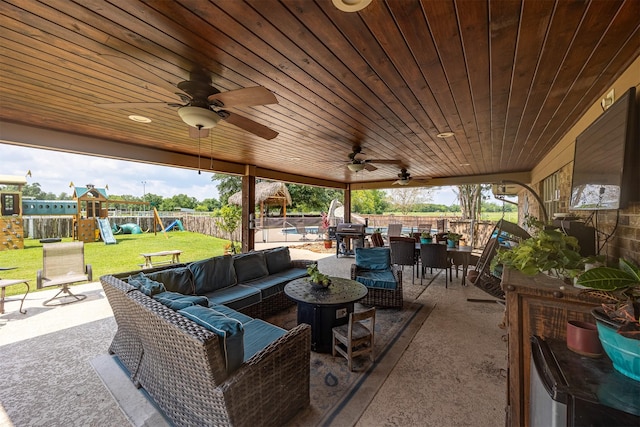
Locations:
{"points": [[198, 117], [351, 5], [356, 167]]}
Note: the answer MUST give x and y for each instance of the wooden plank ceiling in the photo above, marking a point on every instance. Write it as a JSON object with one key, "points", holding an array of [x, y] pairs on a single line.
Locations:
{"points": [[508, 78]]}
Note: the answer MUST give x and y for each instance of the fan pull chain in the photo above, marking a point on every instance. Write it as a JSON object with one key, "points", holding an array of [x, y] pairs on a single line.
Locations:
{"points": [[211, 154], [199, 129]]}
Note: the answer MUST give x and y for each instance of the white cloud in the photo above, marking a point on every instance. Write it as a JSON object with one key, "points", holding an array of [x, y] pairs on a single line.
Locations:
{"points": [[54, 170]]}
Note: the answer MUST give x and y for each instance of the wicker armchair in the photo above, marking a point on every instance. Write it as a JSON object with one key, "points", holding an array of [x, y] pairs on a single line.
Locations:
{"points": [[379, 296]]}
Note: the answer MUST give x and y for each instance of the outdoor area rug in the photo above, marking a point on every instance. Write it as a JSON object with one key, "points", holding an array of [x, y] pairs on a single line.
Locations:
{"points": [[339, 396]]}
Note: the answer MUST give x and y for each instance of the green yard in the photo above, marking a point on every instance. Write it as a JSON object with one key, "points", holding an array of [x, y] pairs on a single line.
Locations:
{"points": [[105, 259]]}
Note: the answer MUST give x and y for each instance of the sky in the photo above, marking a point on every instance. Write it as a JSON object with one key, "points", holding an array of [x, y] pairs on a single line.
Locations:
{"points": [[55, 170]]}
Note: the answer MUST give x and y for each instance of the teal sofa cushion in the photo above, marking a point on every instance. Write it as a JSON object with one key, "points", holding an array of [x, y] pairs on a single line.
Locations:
{"points": [[236, 297], [373, 258], [278, 259], [177, 279], [177, 301], [377, 279], [274, 283], [229, 312], [257, 335], [229, 330], [250, 266], [213, 273], [145, 285]]}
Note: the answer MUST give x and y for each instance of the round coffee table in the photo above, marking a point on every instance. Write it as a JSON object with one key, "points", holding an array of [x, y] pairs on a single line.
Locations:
{"points": [[324, 308]]}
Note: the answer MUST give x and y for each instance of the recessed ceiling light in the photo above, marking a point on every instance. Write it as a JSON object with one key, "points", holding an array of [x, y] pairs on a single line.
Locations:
{"points": [[445, 135], [465, 164], [351, 5], [140, 119]]}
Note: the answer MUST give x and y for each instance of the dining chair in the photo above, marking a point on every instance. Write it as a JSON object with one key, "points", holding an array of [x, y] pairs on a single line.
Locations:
{"points": [[425, 227], [394, 230], [403, 252], [435, 256], [357, 337]]}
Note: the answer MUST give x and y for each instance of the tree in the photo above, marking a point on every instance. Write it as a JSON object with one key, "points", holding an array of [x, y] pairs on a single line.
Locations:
{"points": [[470, 197], [230, 216], [306, 198], [178, 201], [405, 199], [228, 185], [369, 201], [208, 205]]}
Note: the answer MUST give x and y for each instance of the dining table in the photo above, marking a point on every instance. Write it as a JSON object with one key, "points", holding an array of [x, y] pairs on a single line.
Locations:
{"points": [[459, 255]]}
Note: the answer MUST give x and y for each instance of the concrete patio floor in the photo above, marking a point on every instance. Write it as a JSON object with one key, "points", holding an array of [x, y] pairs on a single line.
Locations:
{"points": [[452, 374]]}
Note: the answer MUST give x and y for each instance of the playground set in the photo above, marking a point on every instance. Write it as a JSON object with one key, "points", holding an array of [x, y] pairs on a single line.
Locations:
{"points": [[89, 209]]}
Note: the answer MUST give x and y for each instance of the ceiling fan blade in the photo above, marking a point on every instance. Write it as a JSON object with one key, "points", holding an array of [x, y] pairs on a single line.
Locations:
{"points": [[127, 65], [249, 125], [198, 133], [133, 105], [370, 167], [384, 161], [248, 96]]}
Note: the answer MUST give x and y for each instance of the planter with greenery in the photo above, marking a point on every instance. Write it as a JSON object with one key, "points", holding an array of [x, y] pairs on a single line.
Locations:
{"points": [[453, 239], [621, 286], [316, 278], [549, 251], [426, 237], [618, 321]]}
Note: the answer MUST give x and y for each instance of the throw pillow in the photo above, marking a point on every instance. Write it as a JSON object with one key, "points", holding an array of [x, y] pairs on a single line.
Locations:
{"points": [[278, 259], [212, 274], [145, 285], [229, 330], [176, 301], [250, 266], [373, 258], [177, 279]]}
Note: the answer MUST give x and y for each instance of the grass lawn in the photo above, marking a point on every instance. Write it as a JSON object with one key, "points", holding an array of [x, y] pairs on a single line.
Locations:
{"points": [[105, 259]]}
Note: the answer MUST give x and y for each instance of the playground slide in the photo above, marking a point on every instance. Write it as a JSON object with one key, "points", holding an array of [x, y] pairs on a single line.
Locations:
{"points": [[105, 231], [176, 223]]}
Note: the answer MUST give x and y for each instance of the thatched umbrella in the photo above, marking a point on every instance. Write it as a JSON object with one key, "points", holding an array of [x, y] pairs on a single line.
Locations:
{"points": [[267, 194]]}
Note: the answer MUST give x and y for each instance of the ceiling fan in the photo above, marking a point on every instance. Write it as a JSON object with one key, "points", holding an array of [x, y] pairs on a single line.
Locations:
{"points": [[404, 177], [357, 164], [202, 104]]}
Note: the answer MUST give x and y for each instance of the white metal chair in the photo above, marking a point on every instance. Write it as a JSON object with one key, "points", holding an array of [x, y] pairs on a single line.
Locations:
{"points": [[357, 337], [393, 230]]}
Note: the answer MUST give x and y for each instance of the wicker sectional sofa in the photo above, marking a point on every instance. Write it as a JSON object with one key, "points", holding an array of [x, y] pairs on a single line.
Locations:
{"points": [[207, 363]]}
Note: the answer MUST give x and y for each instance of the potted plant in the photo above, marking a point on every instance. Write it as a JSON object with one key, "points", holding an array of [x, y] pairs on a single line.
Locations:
{"points": [[453, 239], [324, 229], [549, 251], [426, 237], [618, 321], [316, 278]]}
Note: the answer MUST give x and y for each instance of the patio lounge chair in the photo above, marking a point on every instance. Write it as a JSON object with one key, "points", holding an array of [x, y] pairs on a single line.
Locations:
{"points": [[62, 265], [383, 280]]}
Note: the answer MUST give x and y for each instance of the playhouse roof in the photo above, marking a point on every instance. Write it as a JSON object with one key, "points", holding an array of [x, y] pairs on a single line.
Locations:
{"points": [[81, 192]]}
